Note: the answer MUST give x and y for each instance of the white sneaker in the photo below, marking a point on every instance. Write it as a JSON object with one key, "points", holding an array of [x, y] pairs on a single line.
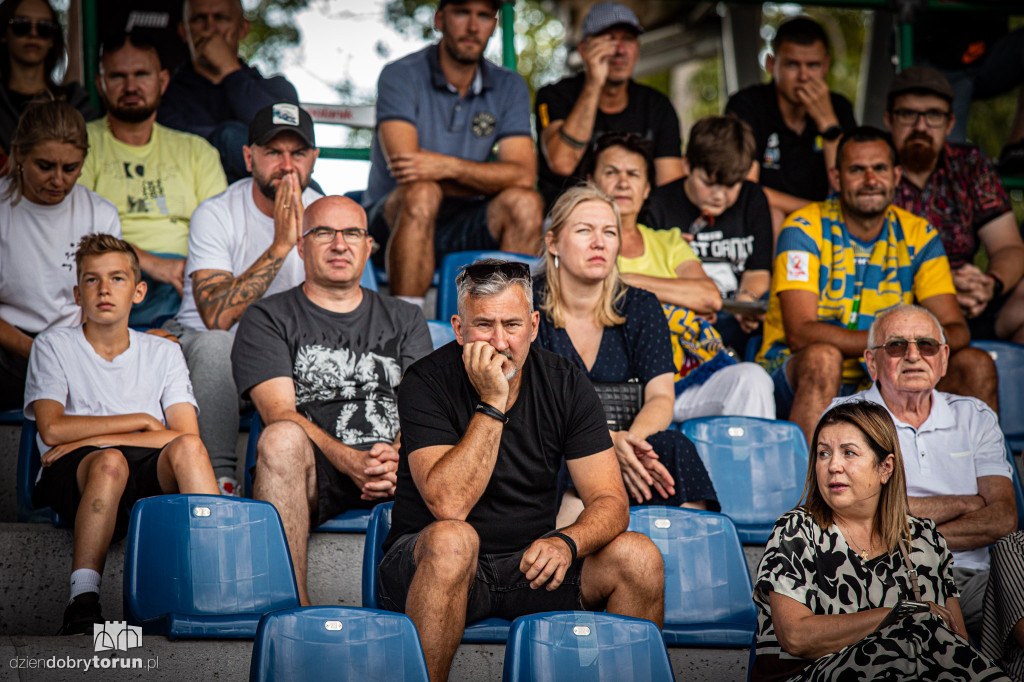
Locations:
{"points": [[228, 486]]}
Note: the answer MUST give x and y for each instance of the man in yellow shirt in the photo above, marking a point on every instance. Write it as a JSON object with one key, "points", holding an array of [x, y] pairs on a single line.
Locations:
{"points": [[838, 264], [154, 175]]}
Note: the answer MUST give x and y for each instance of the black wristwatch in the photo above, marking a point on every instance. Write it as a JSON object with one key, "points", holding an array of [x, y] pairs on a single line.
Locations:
{"points": [[831, 133], [997, 287]]}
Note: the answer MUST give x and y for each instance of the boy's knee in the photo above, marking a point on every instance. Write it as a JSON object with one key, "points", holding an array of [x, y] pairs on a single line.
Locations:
{"points": [[187, 448], [109, 464]]}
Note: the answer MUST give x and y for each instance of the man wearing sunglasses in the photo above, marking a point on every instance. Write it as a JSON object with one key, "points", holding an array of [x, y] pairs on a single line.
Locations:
{"points": [[486, 423], [241, 248], [957, 190], [322, 362], [957, 473], [842, 261]]}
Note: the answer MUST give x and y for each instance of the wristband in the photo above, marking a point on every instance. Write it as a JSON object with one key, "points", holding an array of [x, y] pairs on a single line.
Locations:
{"points": [[491, 411], [569, 541], [997, 287], [570, 140]]}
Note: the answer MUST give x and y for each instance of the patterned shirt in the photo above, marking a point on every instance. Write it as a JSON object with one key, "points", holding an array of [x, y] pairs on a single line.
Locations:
{"points": [[817, 568], [815, 253], [961, 196]]}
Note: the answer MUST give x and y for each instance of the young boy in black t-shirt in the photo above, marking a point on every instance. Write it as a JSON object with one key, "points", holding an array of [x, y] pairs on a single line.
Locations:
{"points": [[725, 218], [116, 418]]}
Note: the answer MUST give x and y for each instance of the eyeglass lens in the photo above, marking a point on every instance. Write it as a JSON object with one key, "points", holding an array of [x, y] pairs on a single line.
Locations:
{"points": [[897, 348], [22, 26]]}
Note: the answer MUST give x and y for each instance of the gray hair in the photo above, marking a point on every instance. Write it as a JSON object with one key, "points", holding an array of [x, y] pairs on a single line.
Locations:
{"points": [[495, 283], [902, 309]]}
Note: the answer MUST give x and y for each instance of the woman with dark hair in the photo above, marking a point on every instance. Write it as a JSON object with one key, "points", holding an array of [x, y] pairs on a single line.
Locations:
{"points": [[615, 333], [44, 213], [31, 48], [850, 585]]}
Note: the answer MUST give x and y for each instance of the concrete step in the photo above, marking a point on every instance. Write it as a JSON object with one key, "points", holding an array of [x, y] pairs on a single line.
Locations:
{"points": [[228, 661]]}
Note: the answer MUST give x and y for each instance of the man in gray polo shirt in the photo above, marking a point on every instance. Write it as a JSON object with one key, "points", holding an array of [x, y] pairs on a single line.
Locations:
{"points": [[440, 112]]}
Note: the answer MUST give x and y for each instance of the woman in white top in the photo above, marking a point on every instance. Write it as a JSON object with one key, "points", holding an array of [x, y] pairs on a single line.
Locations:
{"points": [[43, 214]]}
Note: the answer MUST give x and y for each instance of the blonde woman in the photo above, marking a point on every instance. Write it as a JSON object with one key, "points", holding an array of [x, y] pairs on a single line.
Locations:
{"points": [[851, 586], [615, 333]]}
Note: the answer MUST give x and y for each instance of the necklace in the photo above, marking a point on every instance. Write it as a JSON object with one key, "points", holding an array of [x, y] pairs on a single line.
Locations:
{"points": [[848, 536]]}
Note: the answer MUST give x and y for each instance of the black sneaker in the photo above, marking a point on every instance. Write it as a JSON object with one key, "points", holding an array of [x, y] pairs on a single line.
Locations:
{"points": [[1011, 160], [81, 614]]}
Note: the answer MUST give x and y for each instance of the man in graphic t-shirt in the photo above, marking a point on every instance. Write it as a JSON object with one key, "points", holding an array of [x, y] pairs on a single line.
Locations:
{"points": [[321, 362]]}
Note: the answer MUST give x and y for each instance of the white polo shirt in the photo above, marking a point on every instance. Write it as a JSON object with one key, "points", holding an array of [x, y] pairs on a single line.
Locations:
{"points": [[959, 442]]}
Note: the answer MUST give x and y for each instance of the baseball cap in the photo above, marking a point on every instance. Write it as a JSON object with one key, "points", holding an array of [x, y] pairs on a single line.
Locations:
{"points": [[920, 79], [278, 118], [604, 15]]}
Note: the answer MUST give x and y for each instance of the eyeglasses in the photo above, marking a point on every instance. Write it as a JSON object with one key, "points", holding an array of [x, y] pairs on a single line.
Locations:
{"points": [[326, 235], [897, 348], [22, 26], [933, 118], [483, 270]]}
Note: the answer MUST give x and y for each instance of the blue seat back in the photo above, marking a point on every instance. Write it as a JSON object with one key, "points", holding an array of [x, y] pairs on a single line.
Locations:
{"points": [[1018, 489], [1009, 359], [321, 643], [707, 584], [29, 463], [488, 630], [584, 646], [351, 521], [447, 299], [215, 563], [758, 467], [441, 333], [369, 278], [15, 417]]}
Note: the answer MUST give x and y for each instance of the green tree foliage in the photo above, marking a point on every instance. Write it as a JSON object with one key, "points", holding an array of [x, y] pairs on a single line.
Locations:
{"points": [[272, 30]]}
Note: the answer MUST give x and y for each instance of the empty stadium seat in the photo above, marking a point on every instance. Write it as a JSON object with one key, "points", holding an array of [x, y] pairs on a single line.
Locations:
{"points": [[584, 646], [441, 333], [1009, 359], [489, 630], [707, 584], [205, 566], [351, 521], [758, 467], [447, 299], [321, 643]]}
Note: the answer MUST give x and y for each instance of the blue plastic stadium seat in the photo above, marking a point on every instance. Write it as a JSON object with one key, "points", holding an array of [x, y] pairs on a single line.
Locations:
{"points": [[321, 643], [1009, 359], [205, 566], [29, 463], [15, 417], [447, 299], [441, 333], [351, 521], [707, 585], [758, 467], [369, 278], [584, 646], [1018, 489], [489, 630]]}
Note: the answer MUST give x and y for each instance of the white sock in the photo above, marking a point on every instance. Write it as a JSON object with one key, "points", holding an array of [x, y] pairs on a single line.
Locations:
{"points": [[84, 580], [415, 300]]}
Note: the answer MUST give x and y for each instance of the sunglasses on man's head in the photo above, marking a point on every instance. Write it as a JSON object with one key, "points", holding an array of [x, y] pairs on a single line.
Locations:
{"points": [[22, 26], [897, 348], [480, 272]]}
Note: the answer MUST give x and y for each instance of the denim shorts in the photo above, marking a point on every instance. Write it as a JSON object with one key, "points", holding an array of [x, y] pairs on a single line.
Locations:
{"points": [[784, 393], [499, 590]]}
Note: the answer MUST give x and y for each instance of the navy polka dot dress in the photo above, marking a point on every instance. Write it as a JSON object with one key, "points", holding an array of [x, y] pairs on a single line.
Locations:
{"points": [[638, 349]]}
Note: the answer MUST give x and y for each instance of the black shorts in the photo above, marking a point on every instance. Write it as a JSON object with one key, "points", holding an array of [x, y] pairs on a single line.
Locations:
{"points": [[58, 486], [461, 225], [336, 492], [499, 590]]}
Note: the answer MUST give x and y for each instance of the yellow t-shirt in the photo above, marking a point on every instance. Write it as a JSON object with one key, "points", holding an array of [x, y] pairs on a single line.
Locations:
{"points": [[156, 186], [905, 264], [664, 251]]}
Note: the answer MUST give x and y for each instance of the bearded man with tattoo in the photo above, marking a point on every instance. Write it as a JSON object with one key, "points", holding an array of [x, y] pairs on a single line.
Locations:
{"points": [[241, 248]]}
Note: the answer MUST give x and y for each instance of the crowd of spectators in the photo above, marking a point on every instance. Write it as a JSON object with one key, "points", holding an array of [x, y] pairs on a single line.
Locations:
{"points": [[851, 252]]}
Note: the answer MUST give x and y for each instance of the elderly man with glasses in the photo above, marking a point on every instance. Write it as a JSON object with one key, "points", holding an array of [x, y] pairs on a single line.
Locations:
{"points": [[486, 422], [956, 189], [322, 362], [957, 474]]}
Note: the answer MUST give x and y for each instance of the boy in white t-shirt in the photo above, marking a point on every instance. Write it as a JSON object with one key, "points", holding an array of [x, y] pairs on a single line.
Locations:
{"points": [[116, 418]]}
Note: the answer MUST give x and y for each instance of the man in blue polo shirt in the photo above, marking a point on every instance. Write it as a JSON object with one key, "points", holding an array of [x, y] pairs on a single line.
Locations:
{"points": [[440, 112]]}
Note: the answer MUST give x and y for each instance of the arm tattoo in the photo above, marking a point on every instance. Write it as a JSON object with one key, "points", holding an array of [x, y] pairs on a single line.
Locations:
{"points": [[221, 299]]}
